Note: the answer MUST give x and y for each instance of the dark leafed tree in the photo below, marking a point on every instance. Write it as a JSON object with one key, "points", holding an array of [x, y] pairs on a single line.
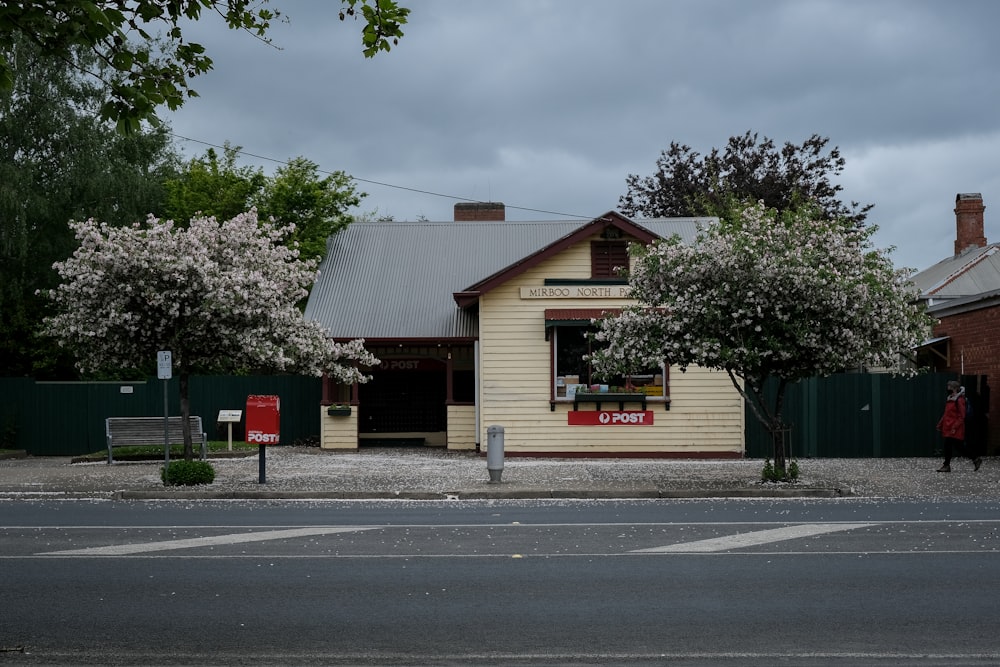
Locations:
{"points": [[687, 183], [147, 60], [58, 162]]}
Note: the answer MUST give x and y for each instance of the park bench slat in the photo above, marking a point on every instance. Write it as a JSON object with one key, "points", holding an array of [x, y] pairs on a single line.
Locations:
{"points": [[148, 431]]}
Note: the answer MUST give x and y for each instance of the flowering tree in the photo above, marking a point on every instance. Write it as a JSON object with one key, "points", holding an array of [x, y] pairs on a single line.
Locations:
{"points": [[764, 295], [219, 295]]}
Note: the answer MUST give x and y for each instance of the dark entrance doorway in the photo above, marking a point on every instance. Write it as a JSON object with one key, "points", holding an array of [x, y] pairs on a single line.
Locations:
{"points": [[404, 396]]}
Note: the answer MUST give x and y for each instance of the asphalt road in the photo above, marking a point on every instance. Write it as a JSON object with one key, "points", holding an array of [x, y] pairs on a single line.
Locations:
{"points": [[731, 582]]}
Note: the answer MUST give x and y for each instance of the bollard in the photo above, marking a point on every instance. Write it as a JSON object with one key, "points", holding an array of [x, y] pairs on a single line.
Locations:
{"points": [[494, 453]]}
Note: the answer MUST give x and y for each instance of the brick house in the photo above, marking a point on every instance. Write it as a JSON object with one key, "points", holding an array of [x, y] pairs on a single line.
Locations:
{"points": [[963, 292]]}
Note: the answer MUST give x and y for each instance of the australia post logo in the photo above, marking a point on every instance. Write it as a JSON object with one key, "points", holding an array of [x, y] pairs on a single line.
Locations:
{"points": [[262, 438], [621, 417], [610, 417]]}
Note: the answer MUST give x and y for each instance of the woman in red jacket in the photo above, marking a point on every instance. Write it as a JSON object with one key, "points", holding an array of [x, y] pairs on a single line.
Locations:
{"points": [[952, 425]]}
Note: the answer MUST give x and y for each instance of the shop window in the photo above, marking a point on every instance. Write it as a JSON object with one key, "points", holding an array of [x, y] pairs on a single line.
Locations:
{"points": [[570, 345], [607, 258]]}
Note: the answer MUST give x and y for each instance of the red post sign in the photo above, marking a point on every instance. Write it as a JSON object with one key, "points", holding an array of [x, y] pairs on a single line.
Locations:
{"points": [[263, 419], [610, 417]]}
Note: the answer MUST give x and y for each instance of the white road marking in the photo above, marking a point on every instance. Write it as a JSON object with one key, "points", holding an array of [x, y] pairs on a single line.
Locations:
{"points": [[755, 538], [237, 538]]}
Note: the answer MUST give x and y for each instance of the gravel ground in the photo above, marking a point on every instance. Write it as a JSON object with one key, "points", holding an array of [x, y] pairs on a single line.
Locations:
{"points": [[434, 473]]}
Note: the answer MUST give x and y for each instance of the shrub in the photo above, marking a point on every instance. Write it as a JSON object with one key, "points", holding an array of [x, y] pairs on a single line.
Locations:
{"points": [[771, 474], [187, 473]]}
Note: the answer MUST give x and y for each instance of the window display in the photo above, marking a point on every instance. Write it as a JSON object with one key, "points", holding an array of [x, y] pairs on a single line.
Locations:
{"points": [[574, 374]]}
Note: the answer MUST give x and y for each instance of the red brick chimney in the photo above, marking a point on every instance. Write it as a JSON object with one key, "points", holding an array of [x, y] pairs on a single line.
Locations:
{"points": [[480, 211], [969, 232]]}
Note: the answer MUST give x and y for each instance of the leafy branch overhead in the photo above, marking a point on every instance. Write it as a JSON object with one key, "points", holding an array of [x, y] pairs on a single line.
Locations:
{"points": [[142, 43]]}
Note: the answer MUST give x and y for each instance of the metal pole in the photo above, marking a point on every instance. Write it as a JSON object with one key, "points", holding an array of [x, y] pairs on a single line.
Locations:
{"points": [[494, 453], [166, 428], [262, 465]]}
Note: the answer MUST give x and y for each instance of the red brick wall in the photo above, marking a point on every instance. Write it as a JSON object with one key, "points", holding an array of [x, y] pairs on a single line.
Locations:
{"points": [[975, 338], [480, 211]]}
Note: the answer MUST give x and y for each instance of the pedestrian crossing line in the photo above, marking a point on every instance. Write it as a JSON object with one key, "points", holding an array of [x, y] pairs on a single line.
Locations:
{"points": [[753, 539], [214, 540]]}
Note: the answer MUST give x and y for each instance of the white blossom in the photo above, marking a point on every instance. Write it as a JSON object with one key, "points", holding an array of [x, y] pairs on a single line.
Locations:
{"points": [[766, 295], [220, 295]]}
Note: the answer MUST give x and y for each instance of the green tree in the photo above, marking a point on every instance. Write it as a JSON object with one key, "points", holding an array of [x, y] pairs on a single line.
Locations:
{"points": [[142, 76], [316, 206], [762, 294], [213, 185], [58, 162], [689, 184]]}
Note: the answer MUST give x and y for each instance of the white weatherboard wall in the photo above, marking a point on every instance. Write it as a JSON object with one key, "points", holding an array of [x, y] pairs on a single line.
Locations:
{"points": [[338, 432], [461, 427], [706, 414]]}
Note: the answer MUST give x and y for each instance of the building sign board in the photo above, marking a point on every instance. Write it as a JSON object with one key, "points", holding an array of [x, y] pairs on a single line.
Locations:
{"points": [[576, 292], [411, 365], [610, 417]]}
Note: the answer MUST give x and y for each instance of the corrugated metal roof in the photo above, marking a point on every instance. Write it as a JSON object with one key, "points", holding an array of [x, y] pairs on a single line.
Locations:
{"points": [[396, 279], [972, 272]]}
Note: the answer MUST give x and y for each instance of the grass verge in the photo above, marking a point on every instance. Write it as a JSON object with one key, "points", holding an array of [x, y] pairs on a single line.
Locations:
{"points": [[176, 451]]}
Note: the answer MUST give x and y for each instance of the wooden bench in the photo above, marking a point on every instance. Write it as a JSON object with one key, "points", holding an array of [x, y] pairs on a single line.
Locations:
{"points": [[148, 431]]}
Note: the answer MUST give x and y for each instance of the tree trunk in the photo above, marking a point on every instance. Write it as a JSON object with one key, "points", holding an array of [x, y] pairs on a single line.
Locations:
{"points": [[778, 440], [769, 418], [182, 381]]}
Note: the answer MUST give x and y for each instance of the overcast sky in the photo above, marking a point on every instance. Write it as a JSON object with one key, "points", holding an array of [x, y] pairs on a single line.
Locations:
{"points": [[548, 105]]}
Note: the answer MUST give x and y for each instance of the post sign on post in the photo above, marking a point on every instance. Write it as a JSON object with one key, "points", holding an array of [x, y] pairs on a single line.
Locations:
{"points": [[263, 419], [263, 415], [164, 365], [164, 371]]}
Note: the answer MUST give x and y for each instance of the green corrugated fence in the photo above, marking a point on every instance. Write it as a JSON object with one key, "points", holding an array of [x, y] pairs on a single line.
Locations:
{"points": [[842, 416], [67, 418], [859, 415]]}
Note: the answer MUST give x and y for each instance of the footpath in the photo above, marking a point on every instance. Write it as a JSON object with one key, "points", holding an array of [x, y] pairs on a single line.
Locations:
{"points": [[420, 473]]}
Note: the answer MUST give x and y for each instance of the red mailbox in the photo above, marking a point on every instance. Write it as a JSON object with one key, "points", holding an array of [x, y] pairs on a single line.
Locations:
{"points": [[263, 418]]}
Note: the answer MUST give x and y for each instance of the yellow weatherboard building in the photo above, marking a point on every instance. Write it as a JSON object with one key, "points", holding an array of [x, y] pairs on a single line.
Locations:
{"points": [[482, 321]]}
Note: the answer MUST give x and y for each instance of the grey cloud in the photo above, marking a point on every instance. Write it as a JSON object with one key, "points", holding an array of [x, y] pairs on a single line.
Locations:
{"points": [[550, 105]]}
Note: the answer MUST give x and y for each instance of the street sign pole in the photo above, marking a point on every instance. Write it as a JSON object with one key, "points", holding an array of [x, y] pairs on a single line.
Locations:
{"points": [[164, 371]]}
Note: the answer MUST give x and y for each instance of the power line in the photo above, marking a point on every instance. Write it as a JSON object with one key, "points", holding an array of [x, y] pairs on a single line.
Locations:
{"points": [[240, 151]]}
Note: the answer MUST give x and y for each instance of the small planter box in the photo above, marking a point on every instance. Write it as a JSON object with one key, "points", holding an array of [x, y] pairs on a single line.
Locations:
{"points": [[339, 410], [609, 397]]}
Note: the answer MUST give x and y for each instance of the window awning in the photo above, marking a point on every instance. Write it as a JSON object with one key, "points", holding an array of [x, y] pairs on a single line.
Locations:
{"points": [[938, 347], [932, 341], [561, 317]]}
